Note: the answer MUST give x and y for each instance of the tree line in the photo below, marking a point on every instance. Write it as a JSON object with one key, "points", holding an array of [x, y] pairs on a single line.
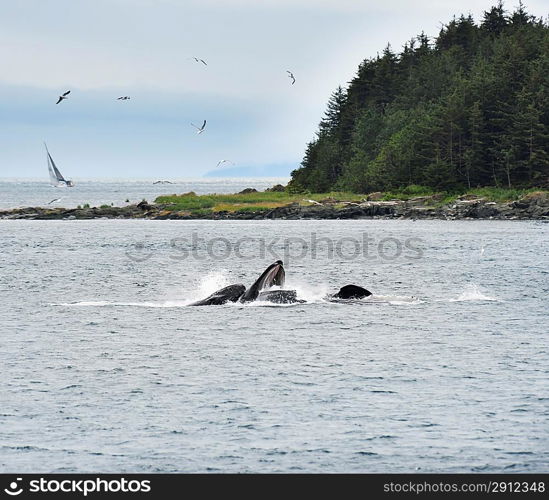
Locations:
{"points": [[466, 109]]}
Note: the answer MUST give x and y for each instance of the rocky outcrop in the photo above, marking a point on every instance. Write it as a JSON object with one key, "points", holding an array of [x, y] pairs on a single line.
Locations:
{"points": [[377, 196], [533, 206], [128, 212]]}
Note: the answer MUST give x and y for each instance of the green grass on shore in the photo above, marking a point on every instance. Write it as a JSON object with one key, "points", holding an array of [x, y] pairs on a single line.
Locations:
{"points": [[498, 195], [501, 194], [246, 202], [488, 193], [260, 201]]}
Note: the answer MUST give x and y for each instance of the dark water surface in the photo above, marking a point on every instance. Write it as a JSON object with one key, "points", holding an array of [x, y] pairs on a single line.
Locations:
{"points": [[104, 369]]}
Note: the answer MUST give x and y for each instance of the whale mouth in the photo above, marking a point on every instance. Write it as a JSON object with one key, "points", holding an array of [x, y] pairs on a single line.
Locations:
{"points": [[274, 275]]}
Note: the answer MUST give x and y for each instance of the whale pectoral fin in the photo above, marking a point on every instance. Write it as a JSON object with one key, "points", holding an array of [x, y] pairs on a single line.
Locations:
{"points": [[351, 292], [230, 293]]}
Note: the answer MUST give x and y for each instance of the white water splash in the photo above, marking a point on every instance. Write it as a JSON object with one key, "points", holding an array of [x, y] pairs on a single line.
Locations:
{"points": [[209, 284], [308, 292], [472, 293], [394, 299]]}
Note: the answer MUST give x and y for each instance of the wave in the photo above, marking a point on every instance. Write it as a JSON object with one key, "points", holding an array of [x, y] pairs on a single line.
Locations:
{"points": [[106, 303]]}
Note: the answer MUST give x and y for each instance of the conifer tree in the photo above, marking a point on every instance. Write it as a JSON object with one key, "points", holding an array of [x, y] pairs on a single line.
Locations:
{"points": [[468, 108]]}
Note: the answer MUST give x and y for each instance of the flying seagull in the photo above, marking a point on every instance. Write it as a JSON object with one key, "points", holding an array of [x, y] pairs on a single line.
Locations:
{"points": [[200, 129], [63, 96], [291, 75], [200, 60], [220, 162], [123, 98], [54, 201]]}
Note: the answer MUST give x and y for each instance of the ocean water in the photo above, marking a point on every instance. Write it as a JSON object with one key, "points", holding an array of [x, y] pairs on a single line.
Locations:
{"points": [[105, 368], [16, 193]]}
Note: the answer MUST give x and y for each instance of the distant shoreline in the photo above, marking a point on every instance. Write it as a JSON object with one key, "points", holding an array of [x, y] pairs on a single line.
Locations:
{"points": [[276, 204]]}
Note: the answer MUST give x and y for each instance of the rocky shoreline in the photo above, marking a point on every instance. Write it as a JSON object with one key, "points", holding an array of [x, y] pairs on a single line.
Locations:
{"points": [[534, 206]]}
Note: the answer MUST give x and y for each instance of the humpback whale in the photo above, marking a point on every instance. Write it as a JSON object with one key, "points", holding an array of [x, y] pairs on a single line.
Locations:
{"points": [[351, 292], [273, 276], [230, 293]]}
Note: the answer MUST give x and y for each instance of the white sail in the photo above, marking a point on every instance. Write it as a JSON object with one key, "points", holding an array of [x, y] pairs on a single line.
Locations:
{"points": [[53, 178], [56, 178]]}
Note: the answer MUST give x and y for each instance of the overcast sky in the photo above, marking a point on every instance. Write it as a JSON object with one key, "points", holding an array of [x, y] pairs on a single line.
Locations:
{"points": [[103, 49]]}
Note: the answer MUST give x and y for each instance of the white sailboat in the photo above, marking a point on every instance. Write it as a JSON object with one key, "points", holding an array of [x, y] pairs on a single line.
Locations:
{"points": [[56, 178]]}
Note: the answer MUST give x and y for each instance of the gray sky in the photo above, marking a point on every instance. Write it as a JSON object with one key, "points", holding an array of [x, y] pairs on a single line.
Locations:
{"points": [[103, 49]]}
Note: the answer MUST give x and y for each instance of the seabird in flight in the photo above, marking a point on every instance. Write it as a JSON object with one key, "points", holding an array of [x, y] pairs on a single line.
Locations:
{"points": [[63, 96], [54, 201], [291, 75], [123, 98], [200, 129], [220, 162], [200, 60]]}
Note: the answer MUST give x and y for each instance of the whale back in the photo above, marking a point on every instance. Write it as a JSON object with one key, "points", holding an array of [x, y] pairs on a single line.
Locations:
{"points": [[351, 292], [230, 293]]}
